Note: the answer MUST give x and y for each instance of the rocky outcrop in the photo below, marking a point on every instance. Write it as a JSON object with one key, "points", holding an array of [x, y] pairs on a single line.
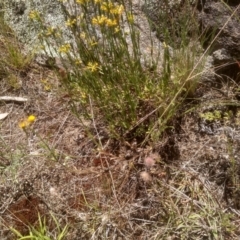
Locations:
{"points": [[218, 18], [172, 20], [214, 16], [177, 15], [16, 14]]}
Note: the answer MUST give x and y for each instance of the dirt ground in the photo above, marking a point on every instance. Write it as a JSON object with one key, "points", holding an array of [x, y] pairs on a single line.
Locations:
{"points": [[58, 167]]}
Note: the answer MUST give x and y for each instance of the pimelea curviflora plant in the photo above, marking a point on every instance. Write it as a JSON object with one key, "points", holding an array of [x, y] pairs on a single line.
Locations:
{"points": [[103, 67]]}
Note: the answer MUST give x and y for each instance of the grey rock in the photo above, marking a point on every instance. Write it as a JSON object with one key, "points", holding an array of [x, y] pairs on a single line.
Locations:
{"points": [[221, 55], [16, 14], [215, 18], [212, 16], [208, 74]]}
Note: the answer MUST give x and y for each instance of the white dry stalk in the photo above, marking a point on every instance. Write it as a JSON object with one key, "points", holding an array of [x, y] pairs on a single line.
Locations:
{"points": [[3, 116], [13, 99]]}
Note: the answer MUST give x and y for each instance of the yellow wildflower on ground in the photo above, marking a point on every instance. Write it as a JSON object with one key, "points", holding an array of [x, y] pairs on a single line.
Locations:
{"points": [[71, 22], [99, 20], [111, 22], [27, 122], [107, 6], [78, 61], [64, 48], [22, 124], [50, 31], [118, 10], [92, 66], [31, 119]]}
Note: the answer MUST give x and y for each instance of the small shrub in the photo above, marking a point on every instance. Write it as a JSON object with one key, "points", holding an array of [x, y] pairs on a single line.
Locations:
{"points": [[104, 67]]}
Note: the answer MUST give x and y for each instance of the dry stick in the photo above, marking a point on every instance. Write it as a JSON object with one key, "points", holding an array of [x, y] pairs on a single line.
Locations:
{"points": [[190, 75], [13, 99]]}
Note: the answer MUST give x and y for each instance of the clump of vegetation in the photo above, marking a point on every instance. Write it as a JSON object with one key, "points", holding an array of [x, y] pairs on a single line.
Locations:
{"points": [[104, 67], [211, 116], [13, 60], [42, 232]]}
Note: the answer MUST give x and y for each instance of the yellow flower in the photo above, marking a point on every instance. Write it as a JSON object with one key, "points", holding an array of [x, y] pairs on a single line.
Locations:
{"points": [[78, 62], [93, 43], [31, 119], [64, 48], [99, 20], [111, 23], [118, 10], [92, 66], [50, 31], [97, 1], [107, 6], [23, 124], [71, 22], [27, 122]]}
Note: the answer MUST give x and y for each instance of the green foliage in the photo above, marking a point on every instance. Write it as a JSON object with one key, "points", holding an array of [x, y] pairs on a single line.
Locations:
{"points": [[14, 57], [42, 233], [211, 116], [217, 115], [103, 64]]}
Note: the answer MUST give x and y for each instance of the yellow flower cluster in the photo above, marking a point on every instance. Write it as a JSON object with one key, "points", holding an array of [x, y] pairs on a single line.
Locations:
{"points": [[111, 22], [107, 6], [71, 22], [27, 122], [78, 62], [113, 12], [65, 48], [99, 20], [104, 21], [50, 31], [111, 8], [92, 66]]}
